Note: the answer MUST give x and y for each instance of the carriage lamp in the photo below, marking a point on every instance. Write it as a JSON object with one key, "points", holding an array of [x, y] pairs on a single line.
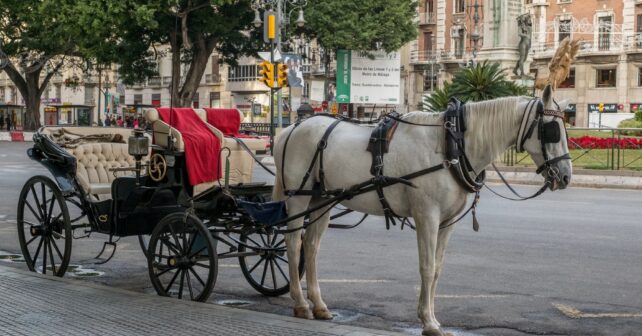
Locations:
{"points": [[138, 144]]}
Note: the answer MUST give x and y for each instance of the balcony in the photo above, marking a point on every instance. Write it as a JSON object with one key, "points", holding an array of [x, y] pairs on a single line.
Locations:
{"points": [[213, 78], [423, 56], [428, 18], [167, 80], [154, 82]]}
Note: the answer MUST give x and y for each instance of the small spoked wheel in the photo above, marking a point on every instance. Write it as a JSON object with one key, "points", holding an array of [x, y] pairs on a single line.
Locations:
{"points": [[265, 262], [182, 258], [44, 227]]}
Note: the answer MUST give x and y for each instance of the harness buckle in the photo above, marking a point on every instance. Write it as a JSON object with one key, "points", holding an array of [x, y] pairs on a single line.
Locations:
{"points": [[450, 163], [449, 124]]}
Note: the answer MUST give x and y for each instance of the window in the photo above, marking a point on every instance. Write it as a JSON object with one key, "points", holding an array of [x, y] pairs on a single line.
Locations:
{"points": [[215, 99], [459, 43], [638, 31], [604, 38], [121, 100], [569, 83], [528, 2], [58, 92], [2, 93], [564, 30], [640, 77], [89, 95], [215, 69], [156, 99], [430, 81], [606, 78], [195, 100], [460, 6], [138, 99]]}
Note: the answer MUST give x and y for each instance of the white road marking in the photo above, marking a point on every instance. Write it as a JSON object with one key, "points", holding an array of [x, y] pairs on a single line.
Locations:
{"points": [[574, 313], [352, 281], [468, 296], [228, 265]]}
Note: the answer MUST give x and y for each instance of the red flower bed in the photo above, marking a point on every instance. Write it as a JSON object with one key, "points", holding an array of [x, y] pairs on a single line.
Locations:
{"points": [[604, 143]]}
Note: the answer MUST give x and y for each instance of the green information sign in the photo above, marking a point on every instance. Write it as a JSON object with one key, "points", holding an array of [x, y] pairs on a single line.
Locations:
{"points": [[344, 59]]}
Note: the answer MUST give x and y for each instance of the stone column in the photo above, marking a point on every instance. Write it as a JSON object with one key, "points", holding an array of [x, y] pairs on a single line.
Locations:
{"points": [[501, 37]]}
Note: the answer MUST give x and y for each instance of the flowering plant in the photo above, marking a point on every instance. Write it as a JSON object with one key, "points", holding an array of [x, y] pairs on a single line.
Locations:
{"points": [[604, 143]]}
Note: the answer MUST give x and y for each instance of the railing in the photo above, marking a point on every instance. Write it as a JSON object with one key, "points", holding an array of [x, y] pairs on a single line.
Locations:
{"points": [[427, 18], [259, 128], [167, 80], [154, 81], [212, 78], [423, 56], [594, 148]]}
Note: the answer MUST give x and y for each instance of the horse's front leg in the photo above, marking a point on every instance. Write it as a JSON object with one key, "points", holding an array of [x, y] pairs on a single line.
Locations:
{"points": [[296, 205], [311, 242], [427, 223], [442, 242]]}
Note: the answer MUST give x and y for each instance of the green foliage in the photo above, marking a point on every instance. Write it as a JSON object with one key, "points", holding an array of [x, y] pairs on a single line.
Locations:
{"points": [[437, 100], [515, 89], [483, 81], [638, 116], [631, 123], [358, 25]]}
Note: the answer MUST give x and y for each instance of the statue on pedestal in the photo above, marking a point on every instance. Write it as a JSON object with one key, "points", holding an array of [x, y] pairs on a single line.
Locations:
{"points": [[525, 30]]}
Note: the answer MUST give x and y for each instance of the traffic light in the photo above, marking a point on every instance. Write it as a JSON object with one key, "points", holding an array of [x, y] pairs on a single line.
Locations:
{"points": [[600, 107], [282, 76], [266, 73]]}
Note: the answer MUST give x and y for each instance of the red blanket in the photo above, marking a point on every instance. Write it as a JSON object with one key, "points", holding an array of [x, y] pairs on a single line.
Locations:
{"points": [[227, 121], [202, 147]]}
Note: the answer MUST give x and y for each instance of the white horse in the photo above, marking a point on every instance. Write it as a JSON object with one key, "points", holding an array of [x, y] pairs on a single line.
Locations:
{"points": [[493, 127]]}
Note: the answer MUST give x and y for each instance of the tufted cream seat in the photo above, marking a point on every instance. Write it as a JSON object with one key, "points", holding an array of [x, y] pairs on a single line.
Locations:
{"points": [[95, 159], [241, 163]]}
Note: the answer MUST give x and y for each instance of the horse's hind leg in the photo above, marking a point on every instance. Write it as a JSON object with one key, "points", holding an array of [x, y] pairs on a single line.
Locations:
{"points": [[427, 224], [311, 241], [296, 205]]}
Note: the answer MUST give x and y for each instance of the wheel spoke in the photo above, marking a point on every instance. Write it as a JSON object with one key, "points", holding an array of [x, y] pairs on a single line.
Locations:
{"points": [[161, 256], [252, 240], [279, 243], [255, 265], [50, 211], [281, 270], [57, 235], [191, 242], [178, 245], [180, 286], [169, 268], [44, 200], [189, 285], [202, 265], [30, 223], [197, 277], [35, 257], [44, 259], [31, 240], [33, 211], [197, 252], [171, 282], [51, 257], [170, 245], [273, 273], [283, 259], [263, 240], [53, 241], [35, 196], [264, 272]]}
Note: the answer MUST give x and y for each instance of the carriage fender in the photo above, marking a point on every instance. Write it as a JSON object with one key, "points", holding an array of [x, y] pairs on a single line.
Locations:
{"points": [[64, 181]]}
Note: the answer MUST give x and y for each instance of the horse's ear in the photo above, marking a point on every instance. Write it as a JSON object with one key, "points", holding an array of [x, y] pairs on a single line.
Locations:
{"points": [[548, 94]]}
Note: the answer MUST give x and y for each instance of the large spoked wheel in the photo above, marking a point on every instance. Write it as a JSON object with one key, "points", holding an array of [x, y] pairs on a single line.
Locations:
{"points": [[265, 266], [44, 227], [182, 258]]}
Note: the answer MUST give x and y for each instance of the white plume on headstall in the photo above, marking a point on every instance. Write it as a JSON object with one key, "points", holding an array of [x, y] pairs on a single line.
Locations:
{"points": [[560, 65]]}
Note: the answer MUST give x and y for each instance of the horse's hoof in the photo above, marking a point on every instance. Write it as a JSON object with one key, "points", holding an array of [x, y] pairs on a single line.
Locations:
{"points": [[303, 312], [322, 314], [435, 332]]}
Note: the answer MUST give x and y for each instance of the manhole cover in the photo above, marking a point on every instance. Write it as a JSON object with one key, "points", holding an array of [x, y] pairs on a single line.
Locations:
{"points": [[234, 303], [340, 315]]}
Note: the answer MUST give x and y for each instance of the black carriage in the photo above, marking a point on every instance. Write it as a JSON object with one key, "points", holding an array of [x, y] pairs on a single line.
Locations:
{"points": [[114, 185]]}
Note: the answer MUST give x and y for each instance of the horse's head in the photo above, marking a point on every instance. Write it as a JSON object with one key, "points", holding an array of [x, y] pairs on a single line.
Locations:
{"points": [[543, 136]]}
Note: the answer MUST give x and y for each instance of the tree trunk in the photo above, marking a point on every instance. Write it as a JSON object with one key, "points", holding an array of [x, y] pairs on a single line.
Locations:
{"points": [[32, 101], [176, 70], [201, 51]]}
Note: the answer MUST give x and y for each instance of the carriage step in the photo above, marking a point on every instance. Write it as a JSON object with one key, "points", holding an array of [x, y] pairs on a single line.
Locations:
{"points": [[98, 260]]}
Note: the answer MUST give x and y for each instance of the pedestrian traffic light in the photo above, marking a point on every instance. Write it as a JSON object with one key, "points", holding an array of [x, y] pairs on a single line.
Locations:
{"points": [[266, 73], [282, 76]]}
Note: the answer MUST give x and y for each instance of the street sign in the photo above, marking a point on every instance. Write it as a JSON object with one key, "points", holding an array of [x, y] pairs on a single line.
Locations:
{"points": [[264, 55]]}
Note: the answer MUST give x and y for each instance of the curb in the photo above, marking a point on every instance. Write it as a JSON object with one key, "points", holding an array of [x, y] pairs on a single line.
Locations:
{"points": [[16, 136]]}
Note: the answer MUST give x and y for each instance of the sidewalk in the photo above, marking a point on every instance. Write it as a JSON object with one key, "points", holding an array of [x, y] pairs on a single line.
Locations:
{"points": [[34, 305]]}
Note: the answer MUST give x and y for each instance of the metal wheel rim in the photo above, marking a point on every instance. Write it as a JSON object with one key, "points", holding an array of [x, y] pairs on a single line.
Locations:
{"points": [[43, 209]]}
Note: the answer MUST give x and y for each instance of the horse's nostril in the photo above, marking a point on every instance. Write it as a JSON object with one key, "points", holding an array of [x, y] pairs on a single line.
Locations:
{"points": [[566, 179]]}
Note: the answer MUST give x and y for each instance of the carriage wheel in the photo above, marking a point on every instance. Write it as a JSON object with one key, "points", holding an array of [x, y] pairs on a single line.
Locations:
{"points": [[44, 227], [267, 271], [182, 258]]}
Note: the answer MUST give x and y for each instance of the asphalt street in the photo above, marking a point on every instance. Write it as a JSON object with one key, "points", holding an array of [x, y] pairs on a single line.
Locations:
{"points": [[567, 263]]}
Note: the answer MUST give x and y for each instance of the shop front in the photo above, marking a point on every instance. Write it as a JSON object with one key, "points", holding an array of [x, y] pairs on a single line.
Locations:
{"points": [[12, 115], [68, 114]]}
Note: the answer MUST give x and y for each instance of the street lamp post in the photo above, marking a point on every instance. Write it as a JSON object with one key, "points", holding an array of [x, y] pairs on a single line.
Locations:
{"points": [[100, 68]]}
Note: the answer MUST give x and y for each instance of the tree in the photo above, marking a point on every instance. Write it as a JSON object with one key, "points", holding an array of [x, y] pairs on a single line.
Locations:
{"points": [[33, 47], [437, 100], [360, 25], [133, 31]]}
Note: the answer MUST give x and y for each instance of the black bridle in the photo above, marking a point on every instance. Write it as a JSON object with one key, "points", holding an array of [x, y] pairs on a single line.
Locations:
{"points": [[548, 132]]}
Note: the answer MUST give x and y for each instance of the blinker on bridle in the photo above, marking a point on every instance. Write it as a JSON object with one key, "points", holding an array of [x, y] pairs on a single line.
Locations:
{"points": [[548, 132]]}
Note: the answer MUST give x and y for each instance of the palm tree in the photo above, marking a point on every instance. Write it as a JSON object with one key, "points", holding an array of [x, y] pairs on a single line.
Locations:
{"points": [[437, 100], [483, 81]]}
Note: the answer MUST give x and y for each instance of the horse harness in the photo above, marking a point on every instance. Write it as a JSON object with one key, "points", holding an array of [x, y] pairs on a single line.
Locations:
{"points": [[456, 158]]}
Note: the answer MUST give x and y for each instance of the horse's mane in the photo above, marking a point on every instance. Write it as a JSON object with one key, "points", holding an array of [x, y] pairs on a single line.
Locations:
{"points": [[497, 116]]}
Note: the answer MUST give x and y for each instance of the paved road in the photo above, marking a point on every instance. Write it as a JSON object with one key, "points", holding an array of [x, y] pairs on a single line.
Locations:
{"points": [[567, 263]]}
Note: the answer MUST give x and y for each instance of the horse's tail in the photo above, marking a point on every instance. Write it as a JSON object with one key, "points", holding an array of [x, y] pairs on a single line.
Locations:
{"points": [[277, 191]]}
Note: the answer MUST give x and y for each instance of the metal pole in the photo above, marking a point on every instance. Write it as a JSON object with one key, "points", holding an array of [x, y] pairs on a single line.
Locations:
{"points": [[272, 103], [100, 78], [279, 97]]}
